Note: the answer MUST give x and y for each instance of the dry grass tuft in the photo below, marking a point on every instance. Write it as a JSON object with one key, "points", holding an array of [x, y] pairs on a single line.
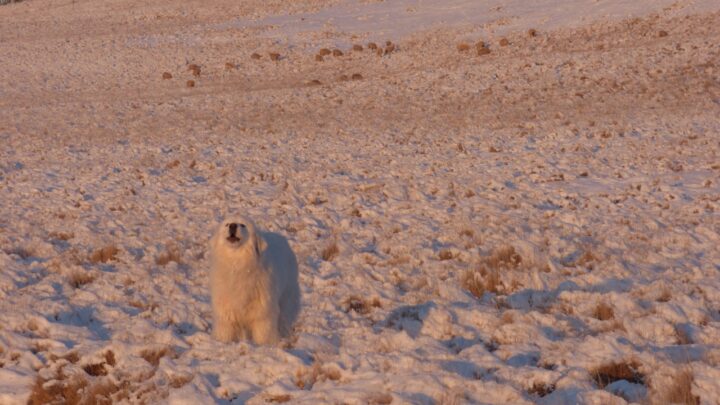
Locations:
{"points": [[78, 278], [324, 52], [463, 47], [603, 312], [662, 33], [357, 48], [230, 66], [330, 252], [166, 75], [190, 83], [532, 32], [611, 372], [279, 399], [445, 254], [360, 305], [306, 377], [379, 398], [665, 295], [504, 42], [153, 355], [172, 254], [195, 69], [356, 76], [319, 58], [274, 56], [541, 389], [104, 255], [337, 52], [680, 392], [255, 56], [486, 277], [372, 45]]}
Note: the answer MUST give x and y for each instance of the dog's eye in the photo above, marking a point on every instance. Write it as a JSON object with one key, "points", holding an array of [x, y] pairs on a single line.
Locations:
{"points": [[242, 225]]}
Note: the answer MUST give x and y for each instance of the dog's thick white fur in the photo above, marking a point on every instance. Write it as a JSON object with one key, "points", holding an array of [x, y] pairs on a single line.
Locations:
{"points": [[253, 283]]}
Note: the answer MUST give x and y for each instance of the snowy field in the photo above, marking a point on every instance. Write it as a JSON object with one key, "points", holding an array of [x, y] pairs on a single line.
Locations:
{"points": [[535, 219]]}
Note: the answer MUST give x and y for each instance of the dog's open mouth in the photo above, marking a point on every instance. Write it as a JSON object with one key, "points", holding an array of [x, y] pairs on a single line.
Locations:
{"points": [[233, 239]]}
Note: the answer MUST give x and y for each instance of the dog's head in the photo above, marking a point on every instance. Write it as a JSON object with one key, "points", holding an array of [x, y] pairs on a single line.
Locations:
{"points": [[237, 235]]}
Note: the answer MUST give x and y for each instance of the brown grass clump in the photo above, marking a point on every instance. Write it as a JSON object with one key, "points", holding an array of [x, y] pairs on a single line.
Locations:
{"points": [[104, 255], [532, 32], [319, 58], [154, 355], [611, 372], [681, 391], [541, 389], [356, 76], [603, 312], [166, 75], [504, 42], [482, 49], [445, 254], [665, 295], [330, 252], [360, 305], [486, 277], [357, 48], [389, 48], [662, 33], [172, 254], [504, 257], [479, 281], [279, 399], [195, 69], [337, 52], [372, 45], [256, 56], [64, 391], [314, 82], [379, 398], [274, 56], [78, 278], [190, 83], [229, 66], [306, 377], [463, 47], [324, 52]]}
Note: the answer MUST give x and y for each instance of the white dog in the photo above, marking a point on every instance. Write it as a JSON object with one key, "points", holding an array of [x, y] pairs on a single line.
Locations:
{"points": [[253, 283]]}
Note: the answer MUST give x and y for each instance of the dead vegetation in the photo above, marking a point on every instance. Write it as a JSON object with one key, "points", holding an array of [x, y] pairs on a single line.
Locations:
{"points": [[166, 75], [79, 277], [360, 305], [603, 312], [607, 374], [171, 254], [330, 252], [486, 276], [104, 254], [306, 377], [680, 391], [541, 389]]}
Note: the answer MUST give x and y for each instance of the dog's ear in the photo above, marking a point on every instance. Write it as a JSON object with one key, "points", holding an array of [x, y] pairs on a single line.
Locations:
{"points": [[260, 243]]}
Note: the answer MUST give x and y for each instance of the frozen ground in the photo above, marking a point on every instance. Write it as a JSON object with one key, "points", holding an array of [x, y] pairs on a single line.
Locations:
{"points": [[534, 225]]}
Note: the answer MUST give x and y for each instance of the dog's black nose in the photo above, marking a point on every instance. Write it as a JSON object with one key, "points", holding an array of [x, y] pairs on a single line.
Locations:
{"points": [[233, 229]]}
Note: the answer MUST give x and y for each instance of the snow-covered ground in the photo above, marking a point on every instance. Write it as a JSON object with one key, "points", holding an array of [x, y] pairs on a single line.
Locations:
{"points": [[537, 224]]}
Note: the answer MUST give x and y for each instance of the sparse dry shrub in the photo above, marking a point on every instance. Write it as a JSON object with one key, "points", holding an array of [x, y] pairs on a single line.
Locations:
{"points": [[104, 254], [330, 252], [445, 254], [153, 355], [378, 398], [306, 377], [680, 392], [80, 277], [504, 257], [541, 389], [486, 277], [625, 370], [481, 280], [171, 254], [359, 305], [603, 312], [278, 399]]}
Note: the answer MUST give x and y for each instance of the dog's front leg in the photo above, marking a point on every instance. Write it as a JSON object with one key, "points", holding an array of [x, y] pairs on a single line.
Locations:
{"points": [[224, 330], [265, 331]]}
